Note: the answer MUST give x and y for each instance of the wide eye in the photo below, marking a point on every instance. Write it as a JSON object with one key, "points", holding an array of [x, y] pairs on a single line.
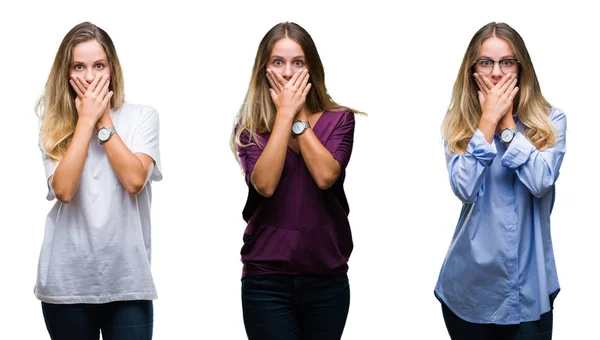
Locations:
{"points": [[508, 62], [277, 62], [78, 67], [485, 62], [298, 63], [99, 66]]}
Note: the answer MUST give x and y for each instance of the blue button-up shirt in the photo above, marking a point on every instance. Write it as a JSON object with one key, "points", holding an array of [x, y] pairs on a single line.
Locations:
{"points": [[500, 265]]}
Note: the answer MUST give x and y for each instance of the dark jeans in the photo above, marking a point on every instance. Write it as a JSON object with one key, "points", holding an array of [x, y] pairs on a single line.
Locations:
{"points": [[121, 320], [294, 307], [460, 329]]}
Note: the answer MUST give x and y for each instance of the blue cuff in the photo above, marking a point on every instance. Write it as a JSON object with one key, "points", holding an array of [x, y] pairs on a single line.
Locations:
{"points": [[479, 148], [518, 152]]}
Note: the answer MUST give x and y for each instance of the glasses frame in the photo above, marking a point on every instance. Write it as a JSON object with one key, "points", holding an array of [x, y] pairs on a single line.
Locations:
{"points": [[474, 65]]}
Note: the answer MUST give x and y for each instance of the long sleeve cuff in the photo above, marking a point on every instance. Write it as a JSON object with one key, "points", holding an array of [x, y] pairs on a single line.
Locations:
{"points": [[518, 152], [479, 148]]}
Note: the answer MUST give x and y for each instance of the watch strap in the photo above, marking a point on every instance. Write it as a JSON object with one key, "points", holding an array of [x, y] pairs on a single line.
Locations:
{"points": [[306, 126], [111, 131]]}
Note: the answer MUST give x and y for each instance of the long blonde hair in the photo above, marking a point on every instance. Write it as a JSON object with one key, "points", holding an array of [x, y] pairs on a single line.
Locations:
{"points": [[257, 114], [56, 106], [464, 113]]}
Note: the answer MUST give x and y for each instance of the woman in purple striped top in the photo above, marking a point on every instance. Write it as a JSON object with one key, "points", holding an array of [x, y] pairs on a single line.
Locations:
{"points": [[294, 143]]}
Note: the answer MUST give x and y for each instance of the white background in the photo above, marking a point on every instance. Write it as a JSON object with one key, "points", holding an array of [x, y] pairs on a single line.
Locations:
{"points": [[398, 64]]}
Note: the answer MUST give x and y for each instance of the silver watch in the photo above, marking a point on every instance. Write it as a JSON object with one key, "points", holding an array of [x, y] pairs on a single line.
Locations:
{"points": [[104, 134], [508, 134], [299, 127]]}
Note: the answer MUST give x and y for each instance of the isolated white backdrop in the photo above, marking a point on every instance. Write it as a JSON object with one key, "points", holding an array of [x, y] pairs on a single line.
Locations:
{"points": [[193, 63]]}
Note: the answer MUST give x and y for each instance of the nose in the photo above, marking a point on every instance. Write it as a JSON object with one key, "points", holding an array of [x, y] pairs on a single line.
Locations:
{"points": [[496, 71], [287, 72], [89, 76]]}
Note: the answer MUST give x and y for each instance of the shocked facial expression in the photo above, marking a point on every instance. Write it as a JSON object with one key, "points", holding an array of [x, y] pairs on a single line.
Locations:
{"points": [[89, 60], [496, 59], [287, 58]]}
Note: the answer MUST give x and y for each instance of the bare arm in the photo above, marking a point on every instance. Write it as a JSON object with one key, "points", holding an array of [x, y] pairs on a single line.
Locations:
{"points": [[90, 105], [268, 168], [132, 170], [323, 168]]}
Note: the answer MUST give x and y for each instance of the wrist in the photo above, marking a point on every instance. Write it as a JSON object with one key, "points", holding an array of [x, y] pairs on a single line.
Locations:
{"points": [[85, 123], [284, 119], [104, 122]]}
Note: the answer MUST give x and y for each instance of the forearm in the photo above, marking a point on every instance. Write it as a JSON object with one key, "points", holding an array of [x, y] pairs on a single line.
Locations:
{"points": [[66, 177], [487, 126], [268, 168], [323, 168], [128, 167]]}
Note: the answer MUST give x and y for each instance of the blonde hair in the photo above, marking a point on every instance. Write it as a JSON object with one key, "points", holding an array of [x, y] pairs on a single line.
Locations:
{"points": [[257, 114], [56, 107], [464, 113]]}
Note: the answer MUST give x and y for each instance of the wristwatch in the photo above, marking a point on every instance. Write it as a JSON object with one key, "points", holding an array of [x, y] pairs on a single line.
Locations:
{"points": [[508, 134], [298, 127], [104, 134]]}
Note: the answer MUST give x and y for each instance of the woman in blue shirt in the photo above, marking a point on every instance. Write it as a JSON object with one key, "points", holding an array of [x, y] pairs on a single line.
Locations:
{"points": [[504, 146]]}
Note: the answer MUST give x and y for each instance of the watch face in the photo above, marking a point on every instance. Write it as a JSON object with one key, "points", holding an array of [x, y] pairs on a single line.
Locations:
{"points": [[507, 135], [103, 134], [297, 127]]}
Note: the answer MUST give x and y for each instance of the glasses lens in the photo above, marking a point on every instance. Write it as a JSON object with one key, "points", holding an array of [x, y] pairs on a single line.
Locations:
{"points": [[484, 65], [508, 65]]}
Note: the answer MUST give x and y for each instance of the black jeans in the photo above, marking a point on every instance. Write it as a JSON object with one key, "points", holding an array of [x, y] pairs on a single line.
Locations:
{"points": [[131, 320], [460, 329], [295, 307]]}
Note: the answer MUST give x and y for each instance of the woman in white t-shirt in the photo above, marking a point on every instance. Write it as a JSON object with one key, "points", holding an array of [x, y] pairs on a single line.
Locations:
{"points": [[100, 156]]}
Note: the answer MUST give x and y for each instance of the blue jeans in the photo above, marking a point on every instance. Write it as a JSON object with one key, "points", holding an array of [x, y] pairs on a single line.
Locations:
{"points": [[459, 329], [295, 307], [122, 320]]}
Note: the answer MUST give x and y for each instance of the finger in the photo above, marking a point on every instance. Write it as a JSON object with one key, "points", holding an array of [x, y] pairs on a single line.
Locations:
{"points": [[104, 89], [481, 97], [304, 82], [280, 80], [295, 78], [506, 79], [305, 92], [80, 84], [106, 99], [272, 83], [100, 85], [76, 88], [487, 83], [480, 84], [508, 86], [92, 87], [513, 93]]}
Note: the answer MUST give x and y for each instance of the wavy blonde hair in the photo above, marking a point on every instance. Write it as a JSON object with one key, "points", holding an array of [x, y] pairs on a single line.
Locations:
{"points": [[464, 113], [257, 114], [56, 107]]}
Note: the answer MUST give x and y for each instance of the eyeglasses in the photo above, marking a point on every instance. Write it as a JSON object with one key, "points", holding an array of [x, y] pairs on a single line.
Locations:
{"points": [[486, 65]]}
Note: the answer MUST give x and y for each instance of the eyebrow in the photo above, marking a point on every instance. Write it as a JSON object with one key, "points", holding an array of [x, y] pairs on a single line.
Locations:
{"points": [[95, 62], [296, 57], [505, 57]]}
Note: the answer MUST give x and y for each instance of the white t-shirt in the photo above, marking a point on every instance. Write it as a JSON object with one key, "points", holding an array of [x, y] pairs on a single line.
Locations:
{"points": [[96, 248]]}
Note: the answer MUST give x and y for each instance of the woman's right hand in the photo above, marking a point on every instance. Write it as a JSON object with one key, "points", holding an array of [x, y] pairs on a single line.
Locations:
{"points": [[93, 99], [496, 100], [289, 97]]}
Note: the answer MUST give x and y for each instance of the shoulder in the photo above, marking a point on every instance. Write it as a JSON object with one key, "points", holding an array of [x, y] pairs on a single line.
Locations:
{"points": [[137, 110], [340, 115], [556, 113]]}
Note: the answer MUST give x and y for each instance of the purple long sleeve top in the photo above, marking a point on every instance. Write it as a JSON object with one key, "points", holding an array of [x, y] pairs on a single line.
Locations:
{"points": [[300, 229]]}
